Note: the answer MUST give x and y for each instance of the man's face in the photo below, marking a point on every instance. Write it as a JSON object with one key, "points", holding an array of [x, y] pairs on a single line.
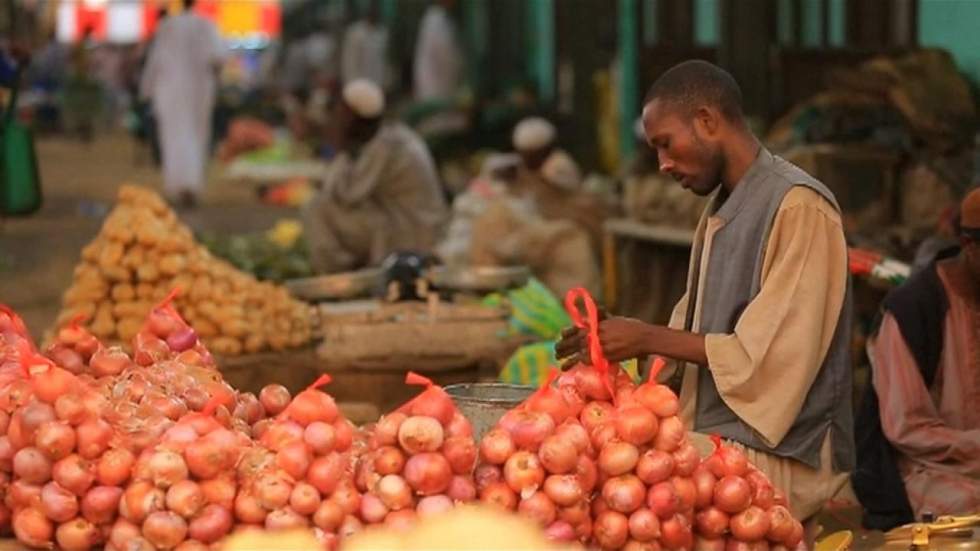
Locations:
{"points": [[686, 149], [535, 158], [342, 116]]}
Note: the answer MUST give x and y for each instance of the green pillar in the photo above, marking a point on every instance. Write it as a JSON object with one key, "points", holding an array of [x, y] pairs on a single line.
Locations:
{"points": [[541, 16], [475, 41], [628, 67], [389, 10]]}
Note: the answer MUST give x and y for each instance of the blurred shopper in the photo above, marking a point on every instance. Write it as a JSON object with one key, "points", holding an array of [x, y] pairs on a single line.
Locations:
{"points": [[180, 79], [321, 57], [920, 424], [438, 62], [551, 178], [82, 95], [50, 65], [365, 51], [13, 58], [380, 194]]}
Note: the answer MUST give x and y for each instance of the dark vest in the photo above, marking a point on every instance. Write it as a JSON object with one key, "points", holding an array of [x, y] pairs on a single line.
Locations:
{"points": [[732, 280]]}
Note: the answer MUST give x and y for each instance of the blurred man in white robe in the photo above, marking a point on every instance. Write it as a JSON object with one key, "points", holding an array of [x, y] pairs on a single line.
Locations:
{"points": [[437, 55], [180, 80], [365, 51]]}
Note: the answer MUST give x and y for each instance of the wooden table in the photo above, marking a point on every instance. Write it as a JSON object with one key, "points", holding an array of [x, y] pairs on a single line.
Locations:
{"points": [[659, 253]]}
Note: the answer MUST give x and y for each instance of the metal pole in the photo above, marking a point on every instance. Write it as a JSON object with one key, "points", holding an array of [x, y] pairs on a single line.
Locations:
{"points": [[628, 78]]}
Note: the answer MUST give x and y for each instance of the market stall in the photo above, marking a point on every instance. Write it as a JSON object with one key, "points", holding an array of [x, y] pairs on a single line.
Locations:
{"points": [[145, 451]]}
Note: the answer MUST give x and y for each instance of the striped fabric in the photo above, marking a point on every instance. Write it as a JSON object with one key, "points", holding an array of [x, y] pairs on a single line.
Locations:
{"points": [[536, 312]]}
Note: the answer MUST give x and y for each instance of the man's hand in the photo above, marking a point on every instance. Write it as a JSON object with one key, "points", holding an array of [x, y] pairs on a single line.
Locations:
{"points": [[572, 348], [625, 338]]}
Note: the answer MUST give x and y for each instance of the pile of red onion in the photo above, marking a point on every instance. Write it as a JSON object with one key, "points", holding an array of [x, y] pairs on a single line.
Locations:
{"points": [[738, 507], [300, 473], [419, 461], [540, 461], [600, 460]]}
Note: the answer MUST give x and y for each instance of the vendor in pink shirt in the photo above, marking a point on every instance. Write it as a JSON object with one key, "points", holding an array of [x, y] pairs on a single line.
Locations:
{"points": [[926, 378]]}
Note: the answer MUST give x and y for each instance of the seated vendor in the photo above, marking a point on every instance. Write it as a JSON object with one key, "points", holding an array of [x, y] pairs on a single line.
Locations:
{"points": [[926, 379], [561, 198], [380, 194]]}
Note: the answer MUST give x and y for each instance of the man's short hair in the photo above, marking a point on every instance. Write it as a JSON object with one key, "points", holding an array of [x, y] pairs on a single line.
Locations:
{"points": [[693, 84]]}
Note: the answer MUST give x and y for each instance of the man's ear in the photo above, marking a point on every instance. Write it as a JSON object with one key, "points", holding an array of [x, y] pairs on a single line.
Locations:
{"points": [[708, 120]]}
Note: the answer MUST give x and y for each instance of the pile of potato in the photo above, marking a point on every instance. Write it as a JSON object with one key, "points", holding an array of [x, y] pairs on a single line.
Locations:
{"points": [[143, 252]]}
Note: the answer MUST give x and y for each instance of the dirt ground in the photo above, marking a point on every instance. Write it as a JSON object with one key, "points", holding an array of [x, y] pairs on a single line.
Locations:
{"points": [[79, 182]]}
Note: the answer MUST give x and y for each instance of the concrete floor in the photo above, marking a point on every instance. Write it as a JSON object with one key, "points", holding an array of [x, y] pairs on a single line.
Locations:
{"points": [[38, 253]]}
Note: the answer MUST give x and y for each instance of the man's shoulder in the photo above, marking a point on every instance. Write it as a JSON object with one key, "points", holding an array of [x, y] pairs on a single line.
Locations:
{"points": [[401, 133], [805, 189]]}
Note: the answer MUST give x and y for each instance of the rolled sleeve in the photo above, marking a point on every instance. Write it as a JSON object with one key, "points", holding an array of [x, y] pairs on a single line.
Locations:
{"points": [[764, 370]]}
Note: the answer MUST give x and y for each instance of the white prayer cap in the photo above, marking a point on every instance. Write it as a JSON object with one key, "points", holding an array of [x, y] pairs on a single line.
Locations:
{"points": [[365, 98], [560, 170], [533, 133]]}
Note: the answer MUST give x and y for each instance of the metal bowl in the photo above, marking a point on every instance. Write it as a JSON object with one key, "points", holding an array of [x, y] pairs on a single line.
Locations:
{"points": [[485, 403], [478, 278], [344, 286]]}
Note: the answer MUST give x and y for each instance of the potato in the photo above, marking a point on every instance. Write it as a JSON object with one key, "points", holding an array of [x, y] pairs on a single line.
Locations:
{"points": [[145, 291], [201, 290], [86, 309], [278, 341], [123, 292], [148, 273], [117, 274], [160, 292], [172, 264], [254, 343], [298, 339], [235, 327], [91, 251], [131, 309], [85, 270], [110, 255], [149, 235], [221, 288], [184, 282], [134, 257], [281, 325], [127, 328], [81, 292], [225, 346], [205, 329], [103, 325], [119, 227]]}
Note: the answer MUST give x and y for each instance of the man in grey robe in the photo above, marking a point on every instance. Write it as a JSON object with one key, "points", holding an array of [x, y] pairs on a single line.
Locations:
{"points": [[380, 194]]}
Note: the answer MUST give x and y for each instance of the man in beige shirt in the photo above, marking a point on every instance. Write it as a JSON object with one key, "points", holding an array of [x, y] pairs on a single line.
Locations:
{"points": [[761, 335]]}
